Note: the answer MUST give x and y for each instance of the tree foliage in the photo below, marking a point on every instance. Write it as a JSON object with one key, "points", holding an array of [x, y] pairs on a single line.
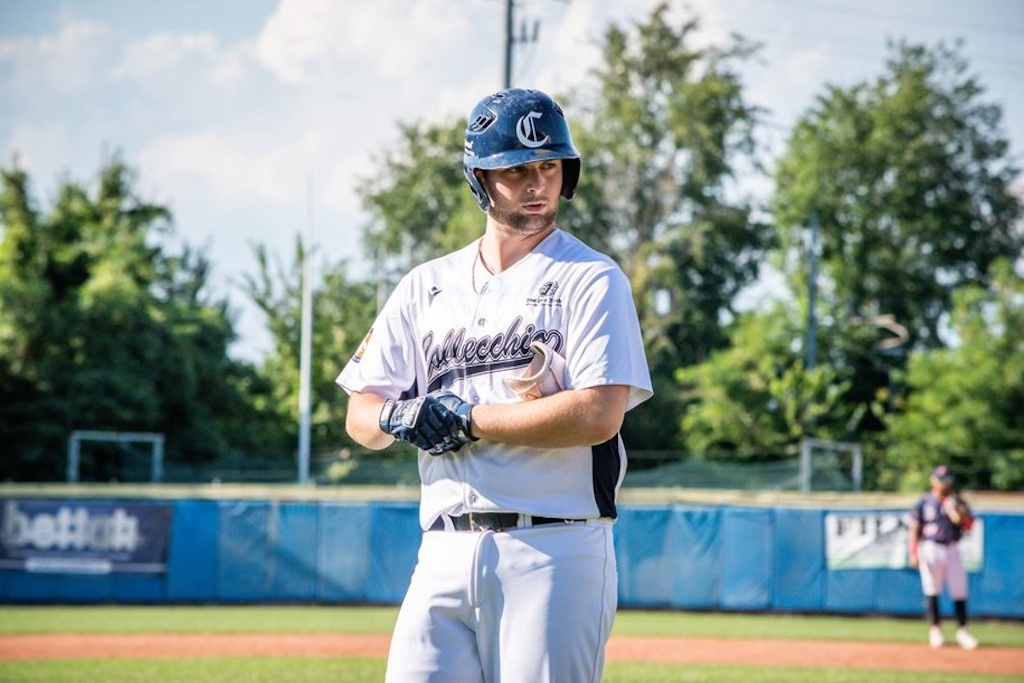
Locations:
{"points": [[966, 403], [101, 328], [418, 198], [663, 141], [910, 179], [342, 312], [756, 398]]}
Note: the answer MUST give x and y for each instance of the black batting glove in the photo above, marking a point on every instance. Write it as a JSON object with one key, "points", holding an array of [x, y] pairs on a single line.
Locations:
{"points": [[462, 410], [423, 421]]}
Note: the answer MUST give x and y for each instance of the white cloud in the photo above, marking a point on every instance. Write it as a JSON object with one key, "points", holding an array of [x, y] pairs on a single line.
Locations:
{"points": [[67, 60], [313, 40], [41, 147], [223, 166], [251, 166], [293, 37], [164, 53]]}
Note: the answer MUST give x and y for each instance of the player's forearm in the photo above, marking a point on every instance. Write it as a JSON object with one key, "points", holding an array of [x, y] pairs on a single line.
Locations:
{"points": [[362, 421], [582, 417], [914, 541], [953, 510]]}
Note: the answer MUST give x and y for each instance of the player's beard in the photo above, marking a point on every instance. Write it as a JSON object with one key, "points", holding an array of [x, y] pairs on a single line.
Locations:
{"points": [[524, 224]]}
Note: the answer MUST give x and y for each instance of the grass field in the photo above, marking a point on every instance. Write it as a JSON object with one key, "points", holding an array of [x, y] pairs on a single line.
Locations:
{"points": [[369, 620], [357, 670]]}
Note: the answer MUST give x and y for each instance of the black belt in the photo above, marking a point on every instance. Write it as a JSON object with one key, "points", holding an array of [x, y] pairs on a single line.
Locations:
{"points": [[495, 521]]}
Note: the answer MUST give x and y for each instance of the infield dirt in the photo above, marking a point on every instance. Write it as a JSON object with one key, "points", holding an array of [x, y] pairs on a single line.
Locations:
{"points": [[666, 650]]}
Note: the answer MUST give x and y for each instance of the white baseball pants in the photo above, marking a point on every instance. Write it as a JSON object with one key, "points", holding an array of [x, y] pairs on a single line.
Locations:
{"points": [[528, 605], [941, 565]]}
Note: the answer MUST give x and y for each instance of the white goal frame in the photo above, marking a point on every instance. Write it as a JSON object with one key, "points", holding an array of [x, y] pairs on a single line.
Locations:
{"points": [[156, 471], [807, 445]]}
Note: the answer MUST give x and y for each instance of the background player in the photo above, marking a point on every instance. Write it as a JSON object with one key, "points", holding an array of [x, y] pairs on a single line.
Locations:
{"points": [[515, 579], [937, 522]]}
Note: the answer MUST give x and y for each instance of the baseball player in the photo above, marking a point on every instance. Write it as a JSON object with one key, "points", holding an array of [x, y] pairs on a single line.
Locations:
{"points": [[937, 522], [510, 363]]}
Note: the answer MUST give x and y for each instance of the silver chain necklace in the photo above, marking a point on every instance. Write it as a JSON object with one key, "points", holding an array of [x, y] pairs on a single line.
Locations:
{"points": [[478, 259]]}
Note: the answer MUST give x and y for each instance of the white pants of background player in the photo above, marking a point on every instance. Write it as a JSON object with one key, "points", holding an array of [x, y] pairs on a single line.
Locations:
{"points": [[528, 605], [942, 565]]}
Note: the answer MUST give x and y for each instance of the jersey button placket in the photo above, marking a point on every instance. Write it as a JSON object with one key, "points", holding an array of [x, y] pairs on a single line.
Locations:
{"points": [[485, 302], [480, 314]]}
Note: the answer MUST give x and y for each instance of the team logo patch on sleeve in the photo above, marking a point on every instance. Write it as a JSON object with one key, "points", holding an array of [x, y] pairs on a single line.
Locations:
{"points": [[362, 347]]}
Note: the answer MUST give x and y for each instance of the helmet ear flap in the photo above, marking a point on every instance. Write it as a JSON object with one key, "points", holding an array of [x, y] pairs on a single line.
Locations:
{"points": [[570, 177], [479, 193]]}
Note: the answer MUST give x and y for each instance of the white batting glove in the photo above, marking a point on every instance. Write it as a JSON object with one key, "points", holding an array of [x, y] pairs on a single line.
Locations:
{"points": [[544, 376]]}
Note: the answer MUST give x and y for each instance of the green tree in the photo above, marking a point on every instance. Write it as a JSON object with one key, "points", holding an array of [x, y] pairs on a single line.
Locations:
{"points": [[966, 404], [910, 179], [755, 399], [419, 200], [663, 141], [343, 311], [103, 329]]}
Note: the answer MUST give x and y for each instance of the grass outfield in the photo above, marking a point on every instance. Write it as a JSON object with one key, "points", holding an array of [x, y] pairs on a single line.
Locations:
{"points": [[354, 670], [331, 619], [336, 619]]}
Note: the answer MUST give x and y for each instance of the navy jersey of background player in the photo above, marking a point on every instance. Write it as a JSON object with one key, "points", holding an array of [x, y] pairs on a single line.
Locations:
{"points": [[935, 523]]}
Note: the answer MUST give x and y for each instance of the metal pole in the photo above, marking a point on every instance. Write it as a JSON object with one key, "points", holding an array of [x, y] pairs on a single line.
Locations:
{"points": [[157, 469], [812, 295], [74, 453], [306, 343], [805, 466], [509, 40], [858, 468]]}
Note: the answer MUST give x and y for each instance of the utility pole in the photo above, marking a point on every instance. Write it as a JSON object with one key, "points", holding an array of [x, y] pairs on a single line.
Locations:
{"points": [[812, 293], [306, 342], [511, 39]]}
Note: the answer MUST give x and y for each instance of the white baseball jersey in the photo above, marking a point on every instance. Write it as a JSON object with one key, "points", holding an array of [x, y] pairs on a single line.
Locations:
{"points": [[445, 329]]}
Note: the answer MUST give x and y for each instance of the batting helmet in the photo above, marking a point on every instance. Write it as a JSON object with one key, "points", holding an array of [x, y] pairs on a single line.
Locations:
{"points": [[514, 127]]}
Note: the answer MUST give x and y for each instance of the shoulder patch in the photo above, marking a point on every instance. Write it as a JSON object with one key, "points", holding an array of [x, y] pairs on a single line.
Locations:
{"points": [[362, 347]]}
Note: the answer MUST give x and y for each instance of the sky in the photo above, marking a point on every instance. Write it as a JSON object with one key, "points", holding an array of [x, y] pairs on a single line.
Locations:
{"points": [[254, 120]]}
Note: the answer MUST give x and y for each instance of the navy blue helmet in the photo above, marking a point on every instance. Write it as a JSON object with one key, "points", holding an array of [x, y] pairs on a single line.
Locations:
{"points": [[514, 127]]}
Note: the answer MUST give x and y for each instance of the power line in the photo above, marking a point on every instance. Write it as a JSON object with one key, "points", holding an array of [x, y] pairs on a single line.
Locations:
{"points": [[528, 34], [858, 10], [855, 50], [896, 24]]}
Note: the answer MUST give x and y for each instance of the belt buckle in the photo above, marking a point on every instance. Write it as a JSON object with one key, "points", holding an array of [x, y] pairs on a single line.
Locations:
{"points": [[487, 521], [478, 522]]}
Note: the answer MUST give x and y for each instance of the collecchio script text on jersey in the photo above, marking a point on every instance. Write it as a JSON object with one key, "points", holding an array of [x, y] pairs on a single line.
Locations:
{"points": [[480, 355]]}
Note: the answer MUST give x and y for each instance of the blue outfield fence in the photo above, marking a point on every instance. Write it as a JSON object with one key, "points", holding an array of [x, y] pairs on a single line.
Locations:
{"points": [[726, 558]]}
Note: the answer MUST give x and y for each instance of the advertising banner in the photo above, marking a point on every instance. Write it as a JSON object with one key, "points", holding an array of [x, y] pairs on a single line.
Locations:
{"points": [[83, 536], [879, 540]]}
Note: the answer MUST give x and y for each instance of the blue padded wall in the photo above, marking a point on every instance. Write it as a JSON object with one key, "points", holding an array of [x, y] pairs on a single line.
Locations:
{"points": [[799, 571], [670, 556], [747, 559]]}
